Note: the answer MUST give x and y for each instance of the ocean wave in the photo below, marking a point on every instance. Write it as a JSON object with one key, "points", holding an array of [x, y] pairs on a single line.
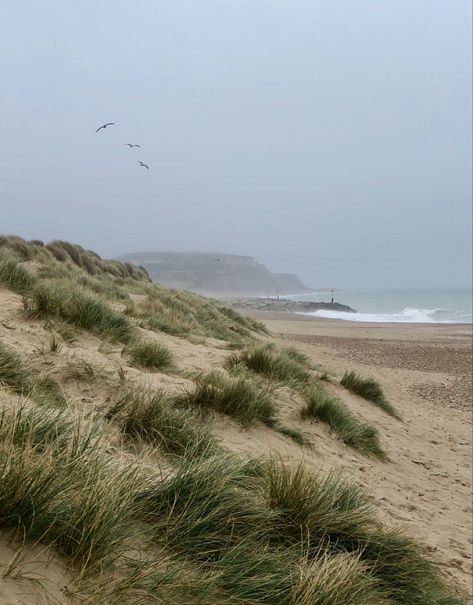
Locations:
{"points": [[408, 315]]}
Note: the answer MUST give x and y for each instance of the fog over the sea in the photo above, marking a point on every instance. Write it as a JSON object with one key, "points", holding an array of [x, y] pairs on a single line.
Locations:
{"points": [[327, 138]]}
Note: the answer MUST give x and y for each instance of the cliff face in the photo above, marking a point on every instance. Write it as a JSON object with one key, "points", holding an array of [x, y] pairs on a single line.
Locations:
{"points": [[289, 283], [216, 274]]}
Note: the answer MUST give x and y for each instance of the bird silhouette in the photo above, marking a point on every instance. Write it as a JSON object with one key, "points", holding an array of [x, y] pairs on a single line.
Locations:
{"points": [[131, 145], [105, 126], [143, 164]]}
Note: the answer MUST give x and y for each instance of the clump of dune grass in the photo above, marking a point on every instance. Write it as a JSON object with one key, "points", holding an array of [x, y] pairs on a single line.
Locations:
{"points": [[247, 322], [321, 405], [255, 573], [152, 416], [239, 397], [13, 373], [333, 516], [295, 434], [340, 578], [401, 570], [207, 506], [54, 344], [12, 274], [369, 389], [48, 391], [63, 490], [150, 355], [297, 356], [277, 365], [169, 323], [78, 306], [314, 509], [160, 579]]}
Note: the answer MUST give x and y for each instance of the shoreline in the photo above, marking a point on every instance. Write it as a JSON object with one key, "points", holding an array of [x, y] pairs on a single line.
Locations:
{"points": [[336, 311]]}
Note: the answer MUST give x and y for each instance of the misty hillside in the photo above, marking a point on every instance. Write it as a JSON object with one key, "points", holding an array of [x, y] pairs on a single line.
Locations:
{"points": [[216, 274], [156, 447]]}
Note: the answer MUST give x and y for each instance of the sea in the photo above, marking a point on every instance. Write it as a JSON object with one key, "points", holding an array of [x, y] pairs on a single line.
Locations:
{"points": [[428, 306]]}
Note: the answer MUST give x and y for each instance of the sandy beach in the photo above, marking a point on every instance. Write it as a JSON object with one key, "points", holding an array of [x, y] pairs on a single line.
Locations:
{"points": [[425, 371]]}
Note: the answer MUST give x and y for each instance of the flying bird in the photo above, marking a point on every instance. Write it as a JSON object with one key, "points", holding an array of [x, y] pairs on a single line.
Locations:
{"points": [[105, 126], [130, 145], [143, 164]]}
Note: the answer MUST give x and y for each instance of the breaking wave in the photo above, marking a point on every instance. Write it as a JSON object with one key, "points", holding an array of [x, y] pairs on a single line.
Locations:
{"points": [[408, 315]]}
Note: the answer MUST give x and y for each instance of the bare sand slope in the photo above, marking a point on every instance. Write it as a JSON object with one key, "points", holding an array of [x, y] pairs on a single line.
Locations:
{"points": [[426, 373]]}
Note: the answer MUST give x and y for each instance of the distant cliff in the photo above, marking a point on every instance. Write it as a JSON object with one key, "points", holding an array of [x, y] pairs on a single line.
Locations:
{"points": [[290, 284], [216, 274]]}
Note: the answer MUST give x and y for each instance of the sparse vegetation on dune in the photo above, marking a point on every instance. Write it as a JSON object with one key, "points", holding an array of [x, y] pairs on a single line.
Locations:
{"points": [[239, 397], [67, 301], [292, 538], [295, 434], [13, 373], [153, 417], [319, 404], [315, 510], [369, 389], [183, 313], [63, 266], [297, 356], [208, 506], [58, 489], [72, 255], [291, 368], [49, 392], [150, 355], [278, 535], [277, 365], [12, 274]]}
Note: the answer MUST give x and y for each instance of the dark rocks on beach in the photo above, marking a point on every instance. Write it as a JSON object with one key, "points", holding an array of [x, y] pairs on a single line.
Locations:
{"points": [[284, 304]]}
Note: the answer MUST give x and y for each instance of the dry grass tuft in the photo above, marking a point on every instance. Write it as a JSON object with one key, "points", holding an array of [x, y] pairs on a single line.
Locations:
{"points": [[153, 417], [369, 389], [241, 398], [150, 355], [319, 404]]}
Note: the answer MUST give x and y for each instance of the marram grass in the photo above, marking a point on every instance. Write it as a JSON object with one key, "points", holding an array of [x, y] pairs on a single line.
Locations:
{"points": [[77, 305], [276, 365], [12, 274], [62, 491], [13, 373], [319, 404], [150, 355], [369, 389], [242, 398], [152, 416]]}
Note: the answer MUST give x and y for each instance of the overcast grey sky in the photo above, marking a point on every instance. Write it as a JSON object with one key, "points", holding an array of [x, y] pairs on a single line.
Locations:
{"points": [[327, 138]]}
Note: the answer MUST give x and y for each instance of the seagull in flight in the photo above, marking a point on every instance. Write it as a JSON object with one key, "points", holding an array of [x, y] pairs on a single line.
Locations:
{"points": [[130, 145], [143, 164], [105, 126]]}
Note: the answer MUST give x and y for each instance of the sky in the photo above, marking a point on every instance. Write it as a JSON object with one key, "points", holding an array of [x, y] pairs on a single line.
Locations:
{"points": [[328, 139]]}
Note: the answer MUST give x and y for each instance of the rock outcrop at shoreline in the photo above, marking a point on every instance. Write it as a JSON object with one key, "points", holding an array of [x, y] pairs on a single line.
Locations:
{"points": [[284, 304]]}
